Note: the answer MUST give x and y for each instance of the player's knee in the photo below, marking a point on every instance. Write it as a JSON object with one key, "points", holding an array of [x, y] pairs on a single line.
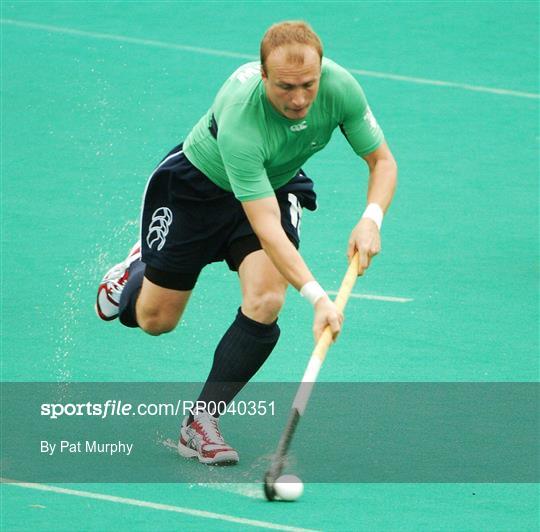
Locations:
{"points": [[155, 327], [264, 307], [156, 322]]}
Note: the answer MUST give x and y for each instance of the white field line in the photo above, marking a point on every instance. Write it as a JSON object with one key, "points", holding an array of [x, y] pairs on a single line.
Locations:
{"points": [[237, 55], [440, 83], [155, 506], [123, 38], [390, 299]]}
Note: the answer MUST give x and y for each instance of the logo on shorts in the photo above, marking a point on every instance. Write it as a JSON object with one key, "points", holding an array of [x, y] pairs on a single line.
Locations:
{"points": [[295, 211], [159, 227]]}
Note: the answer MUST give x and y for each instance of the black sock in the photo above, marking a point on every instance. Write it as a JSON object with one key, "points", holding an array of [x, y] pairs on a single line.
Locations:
{"points": [[239, 355], [128, 298]]}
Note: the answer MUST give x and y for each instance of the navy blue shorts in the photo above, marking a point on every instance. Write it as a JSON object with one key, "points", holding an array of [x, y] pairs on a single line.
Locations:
{"points": [[189, 222]]}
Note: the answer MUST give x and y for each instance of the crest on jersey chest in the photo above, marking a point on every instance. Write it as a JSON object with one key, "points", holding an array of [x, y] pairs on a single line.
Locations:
{"points": [[298, 127]]}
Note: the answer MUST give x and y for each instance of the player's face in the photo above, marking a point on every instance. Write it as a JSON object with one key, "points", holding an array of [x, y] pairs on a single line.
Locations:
{"points": [[291, 86]]}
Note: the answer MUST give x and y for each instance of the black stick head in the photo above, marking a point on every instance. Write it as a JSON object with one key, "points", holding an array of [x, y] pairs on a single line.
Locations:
{"points": [[269, 487]]}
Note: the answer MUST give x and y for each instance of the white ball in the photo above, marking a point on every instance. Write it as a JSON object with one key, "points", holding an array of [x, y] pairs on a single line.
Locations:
{"points": [[288, 487]]}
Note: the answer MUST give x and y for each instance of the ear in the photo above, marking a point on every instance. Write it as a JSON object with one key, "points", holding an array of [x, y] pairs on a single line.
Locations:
{"points": [[263, 73]]}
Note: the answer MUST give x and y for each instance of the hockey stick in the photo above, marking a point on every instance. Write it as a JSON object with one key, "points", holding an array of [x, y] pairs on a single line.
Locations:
{"points": [[308, 381]]}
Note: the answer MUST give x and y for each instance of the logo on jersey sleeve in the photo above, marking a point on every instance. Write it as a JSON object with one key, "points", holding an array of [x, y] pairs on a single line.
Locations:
{"points": [[159, 227], [370, 119], [246, 72]]}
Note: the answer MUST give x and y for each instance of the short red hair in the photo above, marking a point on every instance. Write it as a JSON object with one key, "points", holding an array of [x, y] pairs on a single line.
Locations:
{"points": [[289, 32]]}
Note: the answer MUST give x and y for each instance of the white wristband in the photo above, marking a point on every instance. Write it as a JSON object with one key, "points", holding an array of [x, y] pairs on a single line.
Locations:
{"points": [[375, 213], [312, 291]]}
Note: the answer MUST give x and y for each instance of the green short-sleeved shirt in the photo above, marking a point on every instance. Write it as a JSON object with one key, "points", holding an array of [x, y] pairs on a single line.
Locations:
{"points": [[259, 150]]}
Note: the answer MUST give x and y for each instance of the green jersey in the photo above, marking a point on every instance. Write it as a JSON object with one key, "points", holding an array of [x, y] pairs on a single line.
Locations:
{"points": [[244, 145]]}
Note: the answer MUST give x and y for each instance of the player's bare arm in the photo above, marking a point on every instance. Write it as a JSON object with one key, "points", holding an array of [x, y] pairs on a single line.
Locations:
{"points": [[264, 217], [365, 237]]}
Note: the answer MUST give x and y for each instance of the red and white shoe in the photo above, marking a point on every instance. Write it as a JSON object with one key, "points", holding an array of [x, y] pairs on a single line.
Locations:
{"points": [[202, 439], [110, 288]]}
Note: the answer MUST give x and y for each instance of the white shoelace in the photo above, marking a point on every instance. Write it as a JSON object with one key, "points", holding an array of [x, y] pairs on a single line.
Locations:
{"points": [[210, 428], [115, 286]]}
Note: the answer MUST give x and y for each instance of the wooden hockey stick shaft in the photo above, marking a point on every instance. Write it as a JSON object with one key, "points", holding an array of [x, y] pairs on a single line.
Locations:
{"points": [[308, 381]]}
